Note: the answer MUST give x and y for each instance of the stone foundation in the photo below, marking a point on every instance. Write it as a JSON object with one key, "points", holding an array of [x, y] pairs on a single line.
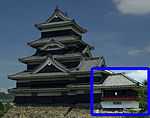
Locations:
{"points": [[47, 112]]}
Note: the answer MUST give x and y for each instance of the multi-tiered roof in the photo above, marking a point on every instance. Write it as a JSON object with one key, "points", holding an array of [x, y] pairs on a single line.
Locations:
{"points": [[61, 58], [60, 47]]}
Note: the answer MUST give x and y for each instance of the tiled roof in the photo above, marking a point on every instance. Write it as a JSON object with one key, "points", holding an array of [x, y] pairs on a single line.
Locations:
{"points": [[119, 80], [86, 65], [62, 24], [47, 40], [41, 58], [32, 58], [58, 17], [29, 75]]}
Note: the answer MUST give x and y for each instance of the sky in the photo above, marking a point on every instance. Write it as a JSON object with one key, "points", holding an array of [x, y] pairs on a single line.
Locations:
{"points": [[138, 75], [118, 29]]}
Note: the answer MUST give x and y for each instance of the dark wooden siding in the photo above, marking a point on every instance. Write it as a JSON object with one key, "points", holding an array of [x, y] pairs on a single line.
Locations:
{"points": [[58, 33], [64, 99], [56, 84]]}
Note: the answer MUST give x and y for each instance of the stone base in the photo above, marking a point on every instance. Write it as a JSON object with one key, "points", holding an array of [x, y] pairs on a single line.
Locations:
{"points": [[47, 112]]}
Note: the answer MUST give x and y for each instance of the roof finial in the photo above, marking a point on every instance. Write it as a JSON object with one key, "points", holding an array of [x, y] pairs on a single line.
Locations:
{"points": [[66, 14], [57, 8], [74, 20]]}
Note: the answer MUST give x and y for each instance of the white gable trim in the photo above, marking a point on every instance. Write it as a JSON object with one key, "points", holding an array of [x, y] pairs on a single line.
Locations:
{"points": [[49, 62]]}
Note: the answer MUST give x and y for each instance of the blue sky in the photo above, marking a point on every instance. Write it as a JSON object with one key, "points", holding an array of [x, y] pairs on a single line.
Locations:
{"points": [[119, 30]]}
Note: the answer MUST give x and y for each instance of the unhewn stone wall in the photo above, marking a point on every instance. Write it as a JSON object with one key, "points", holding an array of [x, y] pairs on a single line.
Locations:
{"points": [[46, 112]]}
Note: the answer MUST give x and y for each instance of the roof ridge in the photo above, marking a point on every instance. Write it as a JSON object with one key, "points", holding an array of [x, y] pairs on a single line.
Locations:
{"points": [[129, 78]]}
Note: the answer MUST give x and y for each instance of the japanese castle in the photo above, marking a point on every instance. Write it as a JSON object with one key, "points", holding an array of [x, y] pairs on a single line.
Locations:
{"points": [[59, 71]]}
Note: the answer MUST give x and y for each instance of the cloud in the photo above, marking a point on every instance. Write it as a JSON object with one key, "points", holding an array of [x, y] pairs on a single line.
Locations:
{"points": [[137, 52], [147, 49], [139, 75], [133, 7], [4, 90]]}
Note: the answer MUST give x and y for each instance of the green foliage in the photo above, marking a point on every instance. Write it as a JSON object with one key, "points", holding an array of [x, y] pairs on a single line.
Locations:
{"points": [[143, 97], [7, 107], [4, 109], [133, 111], [1, 107]]}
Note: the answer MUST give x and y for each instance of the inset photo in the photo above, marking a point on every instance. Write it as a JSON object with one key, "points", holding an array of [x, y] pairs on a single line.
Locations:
{"points": [[119, 91]]}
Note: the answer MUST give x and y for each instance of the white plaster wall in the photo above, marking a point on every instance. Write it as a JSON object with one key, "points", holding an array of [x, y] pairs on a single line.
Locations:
{"points": [[124, 104]]}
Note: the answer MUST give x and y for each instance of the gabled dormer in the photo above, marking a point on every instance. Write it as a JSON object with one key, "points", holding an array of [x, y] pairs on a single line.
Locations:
{"points": [[50, 65], [87, 52], [52, 45]]}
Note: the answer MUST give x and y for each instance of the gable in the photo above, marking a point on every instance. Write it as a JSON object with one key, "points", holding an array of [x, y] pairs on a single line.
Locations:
{"points": [[49, 69], [50, 65], [53, 45], [87, 52], [58, 16], [56, 19], [71, 65]]}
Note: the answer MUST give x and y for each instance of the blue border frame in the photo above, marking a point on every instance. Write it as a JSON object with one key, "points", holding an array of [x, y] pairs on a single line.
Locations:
{"points": [[117, 68]]}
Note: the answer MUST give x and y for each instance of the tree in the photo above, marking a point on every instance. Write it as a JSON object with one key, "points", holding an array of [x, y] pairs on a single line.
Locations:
{"points": [[143, 97]]}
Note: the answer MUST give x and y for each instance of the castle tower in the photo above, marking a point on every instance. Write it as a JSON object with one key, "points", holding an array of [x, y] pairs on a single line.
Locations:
{"points": [[59, 71]]}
